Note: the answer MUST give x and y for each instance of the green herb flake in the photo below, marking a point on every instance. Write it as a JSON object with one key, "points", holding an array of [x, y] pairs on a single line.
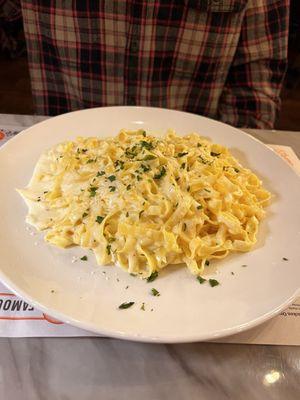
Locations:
{"points": [[90, 161], [100, 173], [244, 265], [152, 277], [52, 291], [236, 170], [124, 306], [144, 133], [108, 249], [128, 187], [199, 145], [188, 188], [119, 164], [145, 168], [177, 179], [182, 154], [143, 306], [184, 226], [155, 292], [99, 219], [112, 178], [149, 157], [207, 190], [161, 173], [85, 214], [84, 258], [213, 154], [92, 190], [199, 207], [182, 166], [138, 177], [232, 273], [201, 280], [112, 188], [285, 259], [127, 214], [146, 145], [140, 213], [213, 282], [207, 263]]}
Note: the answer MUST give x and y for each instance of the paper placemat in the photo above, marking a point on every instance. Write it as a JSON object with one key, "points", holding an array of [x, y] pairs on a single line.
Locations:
{"points": [[20, 319]]}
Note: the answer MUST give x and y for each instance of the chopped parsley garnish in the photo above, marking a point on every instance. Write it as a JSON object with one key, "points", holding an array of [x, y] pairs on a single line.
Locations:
{"points": [[84, 258], [182, 154], [128, 187], [177, 179], [82, 150], [99, 219], [85, 214], [205, 161], [144, 133], [127, 214], [131, 153], [149, 157], [199, 207], [244, 265], [232, 273], [188, 188], [184, 226], [207, 190], [285, 259], [123, 306], [138, 177], [140, 213], [112, 188], [111, 239], [145, 168], [201, 280], [119, 164], [46, 191], [112, 178], [90, 161], [207, 263], [182, 166], [152, 277], [100, 173], [161, 173], [92, 190], [147, 145], [143, 306], [199, 145], [236, 170], [213, 154], [213, 282], [155, 292], [108, 249]]}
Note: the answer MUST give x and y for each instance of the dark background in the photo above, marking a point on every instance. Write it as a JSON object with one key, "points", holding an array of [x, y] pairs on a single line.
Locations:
{"points": [[15, 94]]}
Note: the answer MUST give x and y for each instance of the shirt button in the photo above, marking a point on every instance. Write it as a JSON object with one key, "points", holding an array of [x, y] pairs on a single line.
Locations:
{"points": [[131, 101]]}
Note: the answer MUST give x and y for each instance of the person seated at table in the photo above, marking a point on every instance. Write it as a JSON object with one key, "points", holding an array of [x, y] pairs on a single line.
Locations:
{"points": [[224, 59]]}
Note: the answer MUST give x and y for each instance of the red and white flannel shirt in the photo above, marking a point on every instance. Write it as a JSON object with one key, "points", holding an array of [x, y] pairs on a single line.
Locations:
{"points": [[225, 59]]}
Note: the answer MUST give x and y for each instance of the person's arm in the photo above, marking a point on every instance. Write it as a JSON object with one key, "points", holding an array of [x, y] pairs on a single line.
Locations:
{"points": [[251, 96]]}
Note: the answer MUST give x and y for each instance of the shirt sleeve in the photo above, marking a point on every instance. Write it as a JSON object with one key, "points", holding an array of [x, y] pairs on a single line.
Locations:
{"points": [[251, 95]]}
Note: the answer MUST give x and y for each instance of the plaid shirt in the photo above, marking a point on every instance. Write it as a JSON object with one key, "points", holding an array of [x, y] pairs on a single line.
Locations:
{"points": [[225, 59]]}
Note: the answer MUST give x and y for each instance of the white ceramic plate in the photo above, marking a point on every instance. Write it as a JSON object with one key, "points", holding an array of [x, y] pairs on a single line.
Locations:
{"points": [[186, 311]]}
